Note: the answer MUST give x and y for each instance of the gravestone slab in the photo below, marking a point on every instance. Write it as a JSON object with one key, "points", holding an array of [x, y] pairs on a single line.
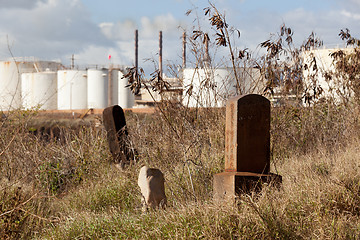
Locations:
{"points": [[115, 126], [247, 134], [151, 183], [247, 147]]}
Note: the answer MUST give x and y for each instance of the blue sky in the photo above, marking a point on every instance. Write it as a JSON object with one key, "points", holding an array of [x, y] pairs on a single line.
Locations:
{"points": [[93, 29]]}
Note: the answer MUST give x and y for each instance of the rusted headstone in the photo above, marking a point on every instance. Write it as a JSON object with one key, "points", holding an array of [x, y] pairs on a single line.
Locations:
{"points": [[247, 147], [115, 125]]}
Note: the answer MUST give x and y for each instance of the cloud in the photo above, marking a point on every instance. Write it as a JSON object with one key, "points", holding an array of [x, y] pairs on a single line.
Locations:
{"points": [[94, 55], [327, 25], [349, 4], [166, 23], [119, 31], [56, 29], [123, 33], [25, 4], [53, 28], [148, 28], [257, 26], [350, 15]]}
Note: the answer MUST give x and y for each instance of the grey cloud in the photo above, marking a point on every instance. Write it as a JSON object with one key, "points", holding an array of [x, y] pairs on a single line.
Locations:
{"points": [[349, 8], [119, 31], [54, 28], [148, 29], [257, 26], [350, 4], [25, 4], [326, 25], [166, 23]]}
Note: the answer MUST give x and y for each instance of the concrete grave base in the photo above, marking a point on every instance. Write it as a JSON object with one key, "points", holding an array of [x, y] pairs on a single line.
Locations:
{"points": [[227, 185]]}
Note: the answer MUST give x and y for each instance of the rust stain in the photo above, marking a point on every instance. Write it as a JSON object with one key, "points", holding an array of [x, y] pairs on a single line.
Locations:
{"points": [[230, 136]]}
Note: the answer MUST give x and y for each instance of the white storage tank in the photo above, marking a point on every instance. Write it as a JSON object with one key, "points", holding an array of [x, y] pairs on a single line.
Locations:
{"points": [[208, 87], [10, 79], [39, 90], [126, 99], [334, 88], [113, 87], [72, 89], [213, 87], [119, 93], [97, 93]]}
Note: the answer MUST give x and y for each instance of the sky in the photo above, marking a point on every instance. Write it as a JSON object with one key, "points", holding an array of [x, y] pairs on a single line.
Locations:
{"points": [[93, 29]]}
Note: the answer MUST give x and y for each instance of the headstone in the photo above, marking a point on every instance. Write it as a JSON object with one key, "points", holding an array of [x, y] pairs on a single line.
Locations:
{"points": [[151, 183], [115, 125], [247, 134], [247, 147]]}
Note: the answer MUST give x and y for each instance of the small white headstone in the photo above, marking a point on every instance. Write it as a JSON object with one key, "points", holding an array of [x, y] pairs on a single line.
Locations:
{"points": [[151, 183]]}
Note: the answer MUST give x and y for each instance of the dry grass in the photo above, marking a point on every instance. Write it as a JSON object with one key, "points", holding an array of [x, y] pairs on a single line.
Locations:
{"points": [[319, 200], [67, 188], [70, 190]]}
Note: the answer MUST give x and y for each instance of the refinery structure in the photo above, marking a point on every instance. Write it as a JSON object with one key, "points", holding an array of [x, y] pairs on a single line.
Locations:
{"points": [[334, 87], [48, 85]]}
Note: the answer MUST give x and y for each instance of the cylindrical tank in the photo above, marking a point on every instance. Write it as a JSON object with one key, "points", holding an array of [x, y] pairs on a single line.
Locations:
{"points": [[72, 89], [126, 99], [39, 90], [97, 93], [113, 87], [225, 84], [10, 79], [207, 87]]}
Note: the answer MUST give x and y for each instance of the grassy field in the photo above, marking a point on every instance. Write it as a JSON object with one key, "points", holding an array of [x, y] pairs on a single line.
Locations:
{"points": [[66, 187], [69, 189]]}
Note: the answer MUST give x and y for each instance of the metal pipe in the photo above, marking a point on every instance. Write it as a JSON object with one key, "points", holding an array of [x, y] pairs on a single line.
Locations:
{"points": [[184, 50], [207, 56], [136, 52], [110, 86], [160, 53], [72, 62]]}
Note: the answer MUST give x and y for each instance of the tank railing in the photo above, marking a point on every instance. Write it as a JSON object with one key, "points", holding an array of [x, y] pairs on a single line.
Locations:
{"points": [[96, 66]]}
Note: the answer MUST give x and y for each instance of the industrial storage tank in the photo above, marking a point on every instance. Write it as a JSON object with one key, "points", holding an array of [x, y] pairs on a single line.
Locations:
{"points": [[39, 90], [119, 94], [335, 88], [208, 87], [10, 79], [113, 87], [126, 98], [213, 87], [97, 93], [72, 89]]}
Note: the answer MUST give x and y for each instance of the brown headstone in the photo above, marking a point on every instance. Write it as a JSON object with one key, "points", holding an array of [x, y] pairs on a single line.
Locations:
{"points": [[247, 134], [247, 148], [115, 125]]}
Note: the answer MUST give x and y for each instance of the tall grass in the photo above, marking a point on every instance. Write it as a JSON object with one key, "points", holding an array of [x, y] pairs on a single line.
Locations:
{"points": [[67, 188], [52, 189]]}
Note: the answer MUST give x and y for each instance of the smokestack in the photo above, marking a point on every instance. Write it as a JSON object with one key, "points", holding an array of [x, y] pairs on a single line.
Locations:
{"points": [[136, 52], [184, 50], [72, 62], [206, 55], [160, 53]]}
